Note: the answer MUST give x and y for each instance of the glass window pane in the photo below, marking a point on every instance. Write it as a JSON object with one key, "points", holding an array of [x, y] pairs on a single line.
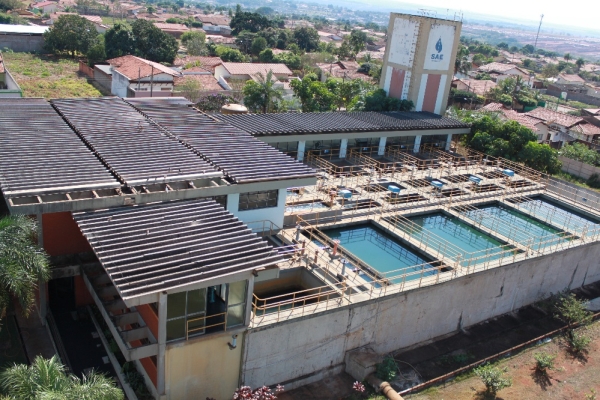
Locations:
{"points": [[235, 315], [176, 305], [196, 301], [195, 324], [237, 293], [176, 329]]}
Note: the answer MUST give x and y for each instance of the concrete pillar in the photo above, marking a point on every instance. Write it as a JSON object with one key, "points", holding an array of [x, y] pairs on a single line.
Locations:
{"points": [[162, 343], [233, 203], [381, 149], [448, 142], [43, 306], [343, 148], [417, 144], [301, 147], [249, 298]]}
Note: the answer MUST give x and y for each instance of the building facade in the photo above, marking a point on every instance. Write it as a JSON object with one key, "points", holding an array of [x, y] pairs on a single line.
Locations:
{"points": [[419, 60]]}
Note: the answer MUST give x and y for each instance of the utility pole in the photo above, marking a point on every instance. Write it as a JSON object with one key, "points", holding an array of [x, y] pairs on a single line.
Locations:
{"points": [[538, 33], [139, 75]]}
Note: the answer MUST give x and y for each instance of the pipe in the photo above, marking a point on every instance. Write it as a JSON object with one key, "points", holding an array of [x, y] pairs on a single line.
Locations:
{"points": [[383, 387]]}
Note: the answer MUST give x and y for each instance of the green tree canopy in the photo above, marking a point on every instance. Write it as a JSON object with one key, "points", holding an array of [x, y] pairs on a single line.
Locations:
{"points": [[378, 100], [307, 38], [313, 94], [153, 44], [97, 51], [580, 62], [262, 95], [194, 42], [48, 379], [22, 263], [7, 5], [247, 21], [258, 45], [71, 34], [358, 40], [118, 41]]}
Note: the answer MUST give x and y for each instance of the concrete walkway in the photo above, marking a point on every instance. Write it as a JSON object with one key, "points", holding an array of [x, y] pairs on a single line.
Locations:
{"points": [[36, 337]]}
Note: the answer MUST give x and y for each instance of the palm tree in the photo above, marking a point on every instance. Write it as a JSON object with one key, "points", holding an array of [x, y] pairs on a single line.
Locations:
{"points": [[268, 92], [22, 263], [462, 63], [567, 57], [580, 62], [48, 379]]}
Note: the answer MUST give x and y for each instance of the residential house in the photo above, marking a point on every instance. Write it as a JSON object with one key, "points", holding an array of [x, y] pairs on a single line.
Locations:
{"points": [[207, 63], [329, 37], [222, 40], [208, 83], [8, 86], [538, 126], [592, 90], [499, 71], [134, 9], [479, 87], [151, 17], [233, 76], [343, 70], [565, 128], [175, 30], [94, 19], [135, 77], [214, 23], [45, 7], [570, 79]]}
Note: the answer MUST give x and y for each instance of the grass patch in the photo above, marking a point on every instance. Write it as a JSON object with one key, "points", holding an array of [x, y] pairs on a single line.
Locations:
{"points": [[48, 76], [575, 180]]}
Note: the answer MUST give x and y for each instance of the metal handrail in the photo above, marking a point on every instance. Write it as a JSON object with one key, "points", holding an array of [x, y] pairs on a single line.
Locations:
{"points": [[204, 327]]}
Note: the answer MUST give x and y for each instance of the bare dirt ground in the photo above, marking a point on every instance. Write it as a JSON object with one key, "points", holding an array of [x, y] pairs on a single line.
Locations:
{"points": [[573, 377]]}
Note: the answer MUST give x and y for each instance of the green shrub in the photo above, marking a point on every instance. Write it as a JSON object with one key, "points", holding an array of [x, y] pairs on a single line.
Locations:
{"points": [[593, 181], [386, 370], [579, 342], [544, 362], [492, 378]]}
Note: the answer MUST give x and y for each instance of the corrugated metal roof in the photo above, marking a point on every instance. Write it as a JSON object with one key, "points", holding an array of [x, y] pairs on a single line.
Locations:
{"points": [[239, 155], [151, 248], [337, 122], [130, 145], [25, 29], [39, 153]]}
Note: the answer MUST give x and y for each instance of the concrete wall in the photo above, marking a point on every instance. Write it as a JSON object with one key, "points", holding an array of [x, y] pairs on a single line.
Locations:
{"points": [[102, 79], [206, 369], [22, 43], [299, 351], [582, 97], [578, 168], [273, 214]]}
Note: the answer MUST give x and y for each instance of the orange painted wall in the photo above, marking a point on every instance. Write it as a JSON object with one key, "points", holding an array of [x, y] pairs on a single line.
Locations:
{"points": [[150, 318], [82, 294], [150, 368], [62, 235]]}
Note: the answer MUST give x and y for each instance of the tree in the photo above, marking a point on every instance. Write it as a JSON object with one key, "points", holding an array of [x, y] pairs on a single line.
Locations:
{"points": [[549, 71], [153, 44], [313, 94], [581, 152], [118, 41], [22, 263], [378, 100], [70, 33], [580, 62], [462, 64], [194, 42], [358, 40], [258, 45], [7, 5], [228, 54], [262, 95], [214, 102], [567, 57], [190, 89], [344, 91], [48, 379], [97, 51], [540, 157], [247, 21], [528, 63], [266, 56], [528, 49], [307, 38], [502, 45]]}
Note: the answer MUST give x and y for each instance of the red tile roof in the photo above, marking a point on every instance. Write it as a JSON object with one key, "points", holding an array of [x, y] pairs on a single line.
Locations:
{"points": [[479, 87], [344, 70], [171, 27], [571, 78], [212, 19], [207, 82], [133, 67], [499, 68], [493, 107], [588, 129], [44, 4], [523, 119], [207, 62], [253, 69], [558, 118]]}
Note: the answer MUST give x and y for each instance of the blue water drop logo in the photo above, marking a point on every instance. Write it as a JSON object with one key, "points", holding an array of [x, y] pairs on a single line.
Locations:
{"points": [[438, 45]]}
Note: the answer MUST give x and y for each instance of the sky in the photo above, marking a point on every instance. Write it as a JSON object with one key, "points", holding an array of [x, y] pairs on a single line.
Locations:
{"points": [[555, 12]]}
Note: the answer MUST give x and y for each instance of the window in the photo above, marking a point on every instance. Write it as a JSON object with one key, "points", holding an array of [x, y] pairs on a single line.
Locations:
{"points": [[236, 304], [185, 310], [256, 200]]}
